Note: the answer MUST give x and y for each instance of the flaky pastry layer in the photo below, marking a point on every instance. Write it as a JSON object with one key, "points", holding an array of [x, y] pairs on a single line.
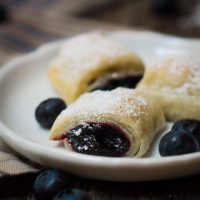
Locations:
{"points": [[138, 115], [85, 58], [175, 82]]}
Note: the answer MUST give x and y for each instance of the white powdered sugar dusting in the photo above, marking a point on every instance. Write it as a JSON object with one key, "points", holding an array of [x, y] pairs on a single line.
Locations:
{"points": [[77, 132], [182, 66], [120, 101], [87, 50], [177, 63]]}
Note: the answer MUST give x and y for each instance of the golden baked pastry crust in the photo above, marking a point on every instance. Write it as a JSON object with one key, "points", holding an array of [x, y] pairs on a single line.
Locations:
{"points": [[86, 57], [139, 116], [175, 82]]}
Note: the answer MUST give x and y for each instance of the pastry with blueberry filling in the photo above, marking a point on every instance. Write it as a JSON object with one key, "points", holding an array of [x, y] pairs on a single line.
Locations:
{"points": [[118, 123], [175, 82], [93, 61]]}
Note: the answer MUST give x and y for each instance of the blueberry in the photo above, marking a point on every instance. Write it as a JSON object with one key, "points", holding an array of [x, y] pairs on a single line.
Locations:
{"points": [[189, 125], [73, 194], [49, 183], [177, 142], [48, 110]]}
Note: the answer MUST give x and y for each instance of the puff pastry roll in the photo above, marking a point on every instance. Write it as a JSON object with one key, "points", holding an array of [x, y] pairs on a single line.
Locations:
{"points": [[121, 122], [93, 61], [175, 82]]}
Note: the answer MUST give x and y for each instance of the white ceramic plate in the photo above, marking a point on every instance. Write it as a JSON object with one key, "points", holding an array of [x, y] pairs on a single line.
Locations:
{"points": [[24, 84]]}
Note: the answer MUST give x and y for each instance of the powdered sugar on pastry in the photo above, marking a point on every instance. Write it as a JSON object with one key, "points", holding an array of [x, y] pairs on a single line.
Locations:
{"points": [[119, 101], [182, 66], [133, 112], [177, 64], [88, 59], [87, 50]]}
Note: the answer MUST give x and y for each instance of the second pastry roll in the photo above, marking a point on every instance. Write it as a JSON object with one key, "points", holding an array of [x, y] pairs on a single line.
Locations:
{"points": [[93, 61], [175, 82], [122, 122]]}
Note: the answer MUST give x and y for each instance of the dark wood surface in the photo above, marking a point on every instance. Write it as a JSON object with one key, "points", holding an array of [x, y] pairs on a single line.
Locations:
{"points": [[32, 23], [20, 187]]}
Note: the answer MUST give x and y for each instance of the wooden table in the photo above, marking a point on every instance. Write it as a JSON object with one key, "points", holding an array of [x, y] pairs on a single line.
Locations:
{"points": [[32, 23]]}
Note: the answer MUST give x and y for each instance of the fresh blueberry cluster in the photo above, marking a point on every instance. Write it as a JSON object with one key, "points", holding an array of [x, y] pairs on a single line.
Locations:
{"points": [[55, 184], [183, 138], [48, 110]]}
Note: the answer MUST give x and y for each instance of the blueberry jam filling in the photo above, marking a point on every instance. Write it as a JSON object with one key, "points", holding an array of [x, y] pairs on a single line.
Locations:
{"points": [[103, 139], [128, 81]]}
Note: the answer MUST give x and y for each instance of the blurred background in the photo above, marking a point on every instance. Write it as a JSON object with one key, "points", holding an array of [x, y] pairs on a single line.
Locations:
{"points": [[25, 24]]}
